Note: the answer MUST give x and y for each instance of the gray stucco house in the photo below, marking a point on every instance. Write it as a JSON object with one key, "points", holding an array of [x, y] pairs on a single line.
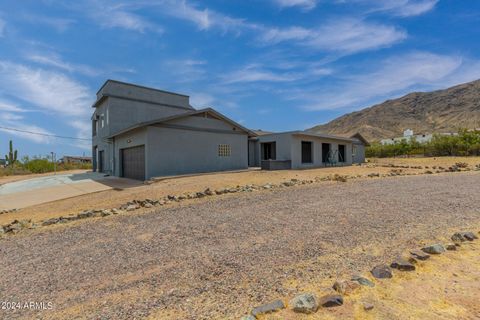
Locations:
{"points": [[304, 149], [140, 133]]}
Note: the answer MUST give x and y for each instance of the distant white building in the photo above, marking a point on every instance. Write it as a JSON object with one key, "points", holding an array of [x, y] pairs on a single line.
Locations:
{"points": [[408, 135]]}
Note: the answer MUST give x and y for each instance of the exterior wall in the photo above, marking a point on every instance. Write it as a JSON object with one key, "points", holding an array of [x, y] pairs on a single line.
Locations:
{"points": [[172, 151], [360, 154], [317, 151], [283, 143], [124, 107], [134, 92], [130, 139], [253, 155], [100, 142], [289, 147]]}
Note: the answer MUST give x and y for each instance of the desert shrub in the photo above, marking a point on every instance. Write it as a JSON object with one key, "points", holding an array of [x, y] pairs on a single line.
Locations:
{"points": [[466, 143], [38, 165]]}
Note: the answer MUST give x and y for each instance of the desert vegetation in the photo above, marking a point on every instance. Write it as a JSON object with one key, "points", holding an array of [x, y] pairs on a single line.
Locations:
{"points": [[466, 143], [36, 164]]}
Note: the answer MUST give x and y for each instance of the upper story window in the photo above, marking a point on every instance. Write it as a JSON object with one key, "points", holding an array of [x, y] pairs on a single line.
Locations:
{"points": [[224, 150], [102, 119]]}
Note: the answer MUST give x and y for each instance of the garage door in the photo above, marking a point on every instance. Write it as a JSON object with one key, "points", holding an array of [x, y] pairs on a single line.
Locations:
{"points": [[133, 163]]}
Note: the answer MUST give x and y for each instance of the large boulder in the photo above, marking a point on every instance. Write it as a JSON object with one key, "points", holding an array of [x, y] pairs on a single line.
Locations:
{"points": [[304, 303], [434, 249], [382, 272], [402, 265], [331, 300], [419, 254]]}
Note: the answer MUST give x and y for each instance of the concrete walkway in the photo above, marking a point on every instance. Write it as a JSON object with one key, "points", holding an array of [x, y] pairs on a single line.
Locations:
{"points": [[25, 193]]}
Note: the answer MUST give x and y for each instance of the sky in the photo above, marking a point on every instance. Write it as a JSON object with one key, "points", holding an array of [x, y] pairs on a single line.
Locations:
{"points": [[275, 65]]}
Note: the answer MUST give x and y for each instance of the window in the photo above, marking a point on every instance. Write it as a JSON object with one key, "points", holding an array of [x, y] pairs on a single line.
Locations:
{"points": [[269, 151], [107, 115], [102, 119], [307, 152], [341, 153], [354, 151], [224, 150]]}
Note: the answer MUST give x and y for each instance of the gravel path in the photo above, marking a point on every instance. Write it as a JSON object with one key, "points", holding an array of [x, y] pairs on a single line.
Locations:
{"points": [[218, 258]]}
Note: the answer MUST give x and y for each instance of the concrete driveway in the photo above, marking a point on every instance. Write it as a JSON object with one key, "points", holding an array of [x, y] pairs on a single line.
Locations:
{"points": [[25, 193]]}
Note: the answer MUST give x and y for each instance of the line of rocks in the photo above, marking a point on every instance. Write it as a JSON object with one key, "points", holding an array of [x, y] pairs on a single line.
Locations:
{"points": [[149, 203], [309, 302]]}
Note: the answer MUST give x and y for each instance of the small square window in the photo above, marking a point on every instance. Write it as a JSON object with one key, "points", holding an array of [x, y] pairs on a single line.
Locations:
{"points": [[224, 150]]}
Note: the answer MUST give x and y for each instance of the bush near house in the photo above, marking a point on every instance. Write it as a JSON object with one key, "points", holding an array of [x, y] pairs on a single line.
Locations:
{"points": [[466, 143], [40, 165]]}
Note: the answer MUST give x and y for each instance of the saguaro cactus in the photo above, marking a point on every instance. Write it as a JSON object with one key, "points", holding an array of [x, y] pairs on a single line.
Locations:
{"points": [[11, 157]]}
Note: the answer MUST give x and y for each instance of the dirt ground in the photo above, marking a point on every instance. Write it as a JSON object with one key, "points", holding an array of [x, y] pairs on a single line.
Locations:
{"points": [[216, 258], [443, 287], [115, 198]]}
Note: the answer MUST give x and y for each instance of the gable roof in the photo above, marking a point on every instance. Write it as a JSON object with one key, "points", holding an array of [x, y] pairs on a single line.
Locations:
{"points": [[361, 138], [183, 115], [310, 134]]}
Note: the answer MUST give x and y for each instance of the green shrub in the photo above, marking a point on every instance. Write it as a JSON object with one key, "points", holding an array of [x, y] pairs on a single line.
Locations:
{"points": [[38, 165], [466, 143]]}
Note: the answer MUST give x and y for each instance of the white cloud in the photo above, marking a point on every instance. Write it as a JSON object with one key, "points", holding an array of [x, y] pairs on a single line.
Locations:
{"points": [[201, 100], [304, 4], [55, 61], [10, 107], [64, 99], [407, 8], [276, 35], [402, 8], [394, 76], [113, 15], [204, 19], [51, 91], [16, 121], [255, 73], [346, 36]]}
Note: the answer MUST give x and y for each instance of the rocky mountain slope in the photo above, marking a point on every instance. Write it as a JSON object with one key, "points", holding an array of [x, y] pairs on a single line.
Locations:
{"points": [[424, 112]]}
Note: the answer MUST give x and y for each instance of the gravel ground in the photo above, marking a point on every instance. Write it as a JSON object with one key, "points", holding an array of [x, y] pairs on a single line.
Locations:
{"points": [[219, 257]]}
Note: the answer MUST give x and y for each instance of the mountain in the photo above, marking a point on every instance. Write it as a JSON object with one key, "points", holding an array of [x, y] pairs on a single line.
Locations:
{"points": [[423, 112]]}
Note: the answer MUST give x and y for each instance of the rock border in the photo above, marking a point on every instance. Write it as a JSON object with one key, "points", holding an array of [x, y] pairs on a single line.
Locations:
{"points": [[18, 225], [308, 302]]}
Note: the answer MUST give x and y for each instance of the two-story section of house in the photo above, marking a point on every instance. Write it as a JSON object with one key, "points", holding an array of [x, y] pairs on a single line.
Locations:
{"points": [[140, 132]]}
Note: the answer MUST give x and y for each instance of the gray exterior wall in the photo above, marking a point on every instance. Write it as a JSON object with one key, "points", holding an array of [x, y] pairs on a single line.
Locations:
{"points": [[359, 156], [289, 147], [130, 139], [317, 151], [188, 145], [121, 106]]}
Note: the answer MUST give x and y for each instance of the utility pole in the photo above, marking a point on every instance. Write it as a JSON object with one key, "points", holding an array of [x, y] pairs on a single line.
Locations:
{"points": [[54, 163]]}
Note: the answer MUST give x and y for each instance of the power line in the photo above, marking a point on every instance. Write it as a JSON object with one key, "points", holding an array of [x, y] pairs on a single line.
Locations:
{"points": [[44, 134]]}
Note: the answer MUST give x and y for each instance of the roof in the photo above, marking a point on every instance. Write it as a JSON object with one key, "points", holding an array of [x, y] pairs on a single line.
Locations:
{"points": [[361, 138], [104, 96], [139, 86], [183, 115], [260, 132], [310, 134]]}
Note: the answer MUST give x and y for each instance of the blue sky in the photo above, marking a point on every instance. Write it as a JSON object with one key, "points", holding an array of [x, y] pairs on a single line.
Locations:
{"points": [[270, 64]]}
